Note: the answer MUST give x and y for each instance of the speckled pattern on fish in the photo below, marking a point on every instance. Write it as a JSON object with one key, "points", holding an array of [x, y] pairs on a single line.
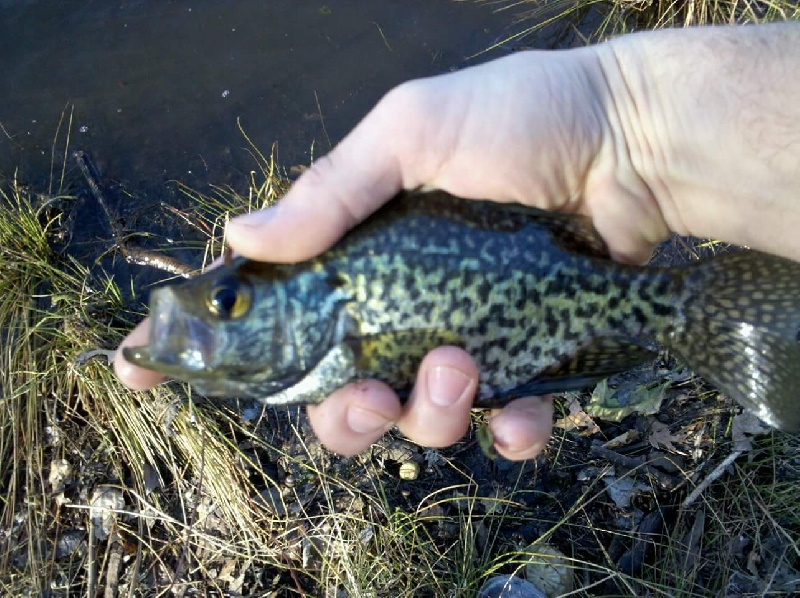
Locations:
{"points": [[532, 296]]}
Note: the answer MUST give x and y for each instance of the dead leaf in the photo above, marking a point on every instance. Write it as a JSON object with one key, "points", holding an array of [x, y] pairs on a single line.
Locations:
{"points": [[745, 426], [623, 439], [60, 475], [660, 436], [616, 404], [549, 570], [622, 490], [577, 419], [691, 560], [753, 561], [106, 501], [228, 574]]}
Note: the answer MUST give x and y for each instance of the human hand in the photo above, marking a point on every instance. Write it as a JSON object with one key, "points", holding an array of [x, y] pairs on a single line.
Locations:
{"points": [[487, 132], [575, 131]]}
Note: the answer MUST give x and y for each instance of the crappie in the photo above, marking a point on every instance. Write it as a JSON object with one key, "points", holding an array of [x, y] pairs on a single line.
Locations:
{"points": [[531, 295]]}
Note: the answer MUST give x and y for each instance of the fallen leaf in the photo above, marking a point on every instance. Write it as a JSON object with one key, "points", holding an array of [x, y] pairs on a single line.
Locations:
{"points": [[623, 439], [745, 426], [660, 436], [577, 419], [616, 404], [622, 490], [228, 574], [60, 475], [549, 570], [106, 500]]}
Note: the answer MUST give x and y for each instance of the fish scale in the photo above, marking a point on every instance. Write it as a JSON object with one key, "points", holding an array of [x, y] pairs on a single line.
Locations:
{"points": [[532, 296]]}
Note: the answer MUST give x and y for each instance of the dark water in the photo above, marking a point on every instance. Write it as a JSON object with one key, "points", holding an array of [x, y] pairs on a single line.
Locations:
{"points": [[156, 87]]}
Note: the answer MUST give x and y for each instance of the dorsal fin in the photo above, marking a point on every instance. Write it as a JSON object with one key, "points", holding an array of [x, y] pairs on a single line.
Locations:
{"points": [[571, 232]]}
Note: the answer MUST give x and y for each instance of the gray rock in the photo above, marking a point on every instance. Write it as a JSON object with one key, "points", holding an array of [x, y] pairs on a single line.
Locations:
{"points": [[508, 586]]}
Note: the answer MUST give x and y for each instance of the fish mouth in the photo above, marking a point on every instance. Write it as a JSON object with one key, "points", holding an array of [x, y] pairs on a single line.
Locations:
{"points": [[143, 357], [180, 344], [211, 382]]}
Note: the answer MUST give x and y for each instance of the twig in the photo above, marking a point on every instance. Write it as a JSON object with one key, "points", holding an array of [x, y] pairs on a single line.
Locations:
{"points": [[112, 569], [5, 132], [666, 480], [91, 573], [137, 562], [92, 177], [297, 582], [712, 477], [383, 36], [66, 149], [132, 255]]}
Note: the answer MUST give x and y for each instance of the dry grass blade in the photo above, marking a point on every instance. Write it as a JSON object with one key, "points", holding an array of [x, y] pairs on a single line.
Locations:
{"points": [[595, 20]]}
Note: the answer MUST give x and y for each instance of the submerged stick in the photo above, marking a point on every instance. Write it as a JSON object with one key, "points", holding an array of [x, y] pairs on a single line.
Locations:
{"points": [[132, 255]]}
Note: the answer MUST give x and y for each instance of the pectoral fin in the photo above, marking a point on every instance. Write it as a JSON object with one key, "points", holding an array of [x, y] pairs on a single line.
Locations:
{"points": [[336, 368], [391, 356]]}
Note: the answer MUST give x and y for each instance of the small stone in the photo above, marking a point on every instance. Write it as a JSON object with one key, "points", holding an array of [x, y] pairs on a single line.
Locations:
{"points": [[508, 586], [549, 569], [409, 470]]}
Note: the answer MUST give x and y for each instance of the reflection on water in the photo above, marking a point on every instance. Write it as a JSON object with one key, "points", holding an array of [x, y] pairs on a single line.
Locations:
{"points": [[157, 86]]}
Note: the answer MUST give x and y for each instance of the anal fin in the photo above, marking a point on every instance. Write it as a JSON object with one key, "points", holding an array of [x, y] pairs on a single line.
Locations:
{"points": [[600, 359]]}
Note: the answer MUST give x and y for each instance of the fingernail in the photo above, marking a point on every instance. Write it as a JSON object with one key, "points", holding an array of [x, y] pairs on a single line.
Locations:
{"points": [[506, 439], [512, 430], [448, 385], [364, 421], [256, 218]]}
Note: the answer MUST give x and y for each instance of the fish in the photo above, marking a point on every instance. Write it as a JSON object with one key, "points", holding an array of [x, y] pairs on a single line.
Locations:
{"points": [[533, 296]]}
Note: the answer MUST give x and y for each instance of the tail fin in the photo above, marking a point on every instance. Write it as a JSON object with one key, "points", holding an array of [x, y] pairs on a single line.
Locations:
{"points": [[742, 332]]}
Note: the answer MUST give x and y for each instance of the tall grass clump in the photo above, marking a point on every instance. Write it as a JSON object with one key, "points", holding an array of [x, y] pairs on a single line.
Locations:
{"points": [[70, 434], [595, 20], [31, 287]]}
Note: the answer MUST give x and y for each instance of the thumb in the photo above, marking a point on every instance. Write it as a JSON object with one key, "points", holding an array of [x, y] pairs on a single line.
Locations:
{"points": [[336, 193]]}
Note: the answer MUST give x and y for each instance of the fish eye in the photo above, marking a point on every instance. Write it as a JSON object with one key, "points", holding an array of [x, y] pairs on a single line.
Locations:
{"points": [[229, 298]]}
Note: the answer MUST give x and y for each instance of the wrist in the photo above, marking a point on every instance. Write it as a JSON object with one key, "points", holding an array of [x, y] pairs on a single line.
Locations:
{"points": [[708, 121]]}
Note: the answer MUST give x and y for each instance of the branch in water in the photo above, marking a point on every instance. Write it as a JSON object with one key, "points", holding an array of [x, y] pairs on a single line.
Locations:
{"points": [[132, 255]]}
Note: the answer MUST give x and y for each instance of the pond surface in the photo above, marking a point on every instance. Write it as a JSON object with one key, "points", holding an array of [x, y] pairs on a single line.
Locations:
{"points": [[155, 88]]}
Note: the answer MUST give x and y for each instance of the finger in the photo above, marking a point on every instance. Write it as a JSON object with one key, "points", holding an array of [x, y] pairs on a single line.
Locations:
{"points": [[335, 193], [522, 428], [437, 412], [130, 374], [370, 165], [630, 221], [354, 417]]}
